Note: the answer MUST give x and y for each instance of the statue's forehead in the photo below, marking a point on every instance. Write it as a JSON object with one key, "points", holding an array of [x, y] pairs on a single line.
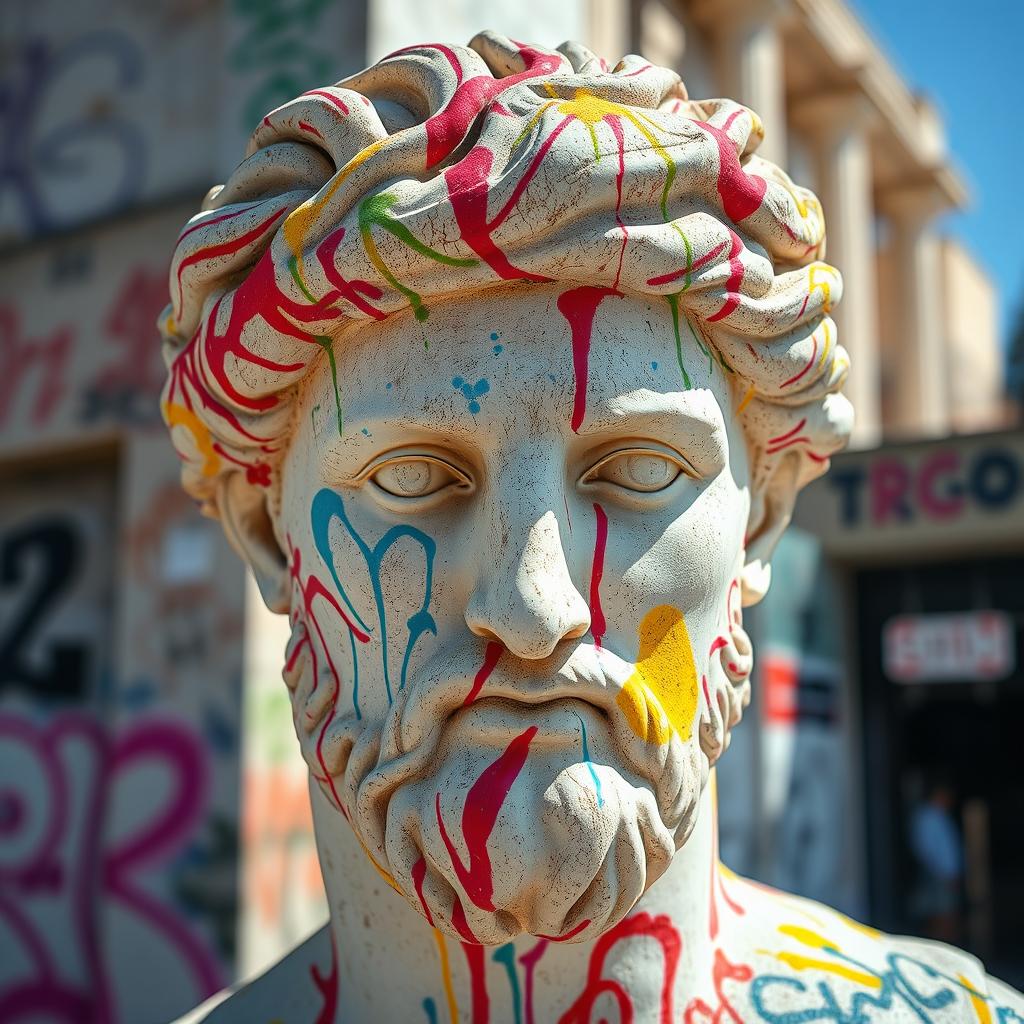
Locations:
{"points": [[539, 343]]}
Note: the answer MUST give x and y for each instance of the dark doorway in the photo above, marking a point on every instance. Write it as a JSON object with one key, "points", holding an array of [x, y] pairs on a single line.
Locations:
{"points": [[944, 769]]}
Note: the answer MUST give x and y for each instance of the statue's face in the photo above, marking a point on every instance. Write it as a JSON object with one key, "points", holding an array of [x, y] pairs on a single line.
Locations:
{"points": [[507, 630]]}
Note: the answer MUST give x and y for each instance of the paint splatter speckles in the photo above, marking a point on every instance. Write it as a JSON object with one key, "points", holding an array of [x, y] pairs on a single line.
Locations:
{"points": [[472, 392]]}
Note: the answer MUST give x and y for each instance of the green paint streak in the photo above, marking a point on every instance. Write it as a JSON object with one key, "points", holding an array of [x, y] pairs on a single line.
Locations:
{"points": [[670, 176], [593, 139], [687, 281], [293, 268], [327, 344], [702, 346], [506, 956], [375, 211], [673, 302]]}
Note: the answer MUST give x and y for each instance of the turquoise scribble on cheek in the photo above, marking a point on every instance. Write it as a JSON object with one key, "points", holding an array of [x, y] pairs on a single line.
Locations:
{"points": [[327, 506], [430, 1010], [471, 392]]}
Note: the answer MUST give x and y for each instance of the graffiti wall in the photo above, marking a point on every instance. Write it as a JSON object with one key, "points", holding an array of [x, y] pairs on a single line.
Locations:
{"points": [[121, 616]]}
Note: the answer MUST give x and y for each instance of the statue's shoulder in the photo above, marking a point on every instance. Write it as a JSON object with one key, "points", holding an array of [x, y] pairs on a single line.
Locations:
{"points": [[805, 961], [300, 987]]}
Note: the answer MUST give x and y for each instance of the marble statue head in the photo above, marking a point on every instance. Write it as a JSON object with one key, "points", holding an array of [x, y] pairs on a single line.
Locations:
{"points": [[502, 369]]}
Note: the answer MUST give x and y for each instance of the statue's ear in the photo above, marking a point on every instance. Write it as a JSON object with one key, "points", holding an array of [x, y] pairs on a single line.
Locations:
{"points": [[771, 508], [247, 525]]}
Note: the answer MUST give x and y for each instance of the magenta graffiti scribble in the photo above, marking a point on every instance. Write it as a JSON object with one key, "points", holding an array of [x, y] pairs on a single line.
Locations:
{"points": [[80, 867]]}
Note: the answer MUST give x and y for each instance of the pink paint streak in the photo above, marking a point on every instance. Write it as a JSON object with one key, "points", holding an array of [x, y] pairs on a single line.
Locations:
{"points": [[419, 873], [732, 295], [741, 193], [491, 658], [481, 1013], [597, 620], [328, 987], [483, 802], [579, 307]]}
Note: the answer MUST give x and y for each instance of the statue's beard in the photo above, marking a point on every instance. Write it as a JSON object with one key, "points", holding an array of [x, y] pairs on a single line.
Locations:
{"points": [[488, 817]]}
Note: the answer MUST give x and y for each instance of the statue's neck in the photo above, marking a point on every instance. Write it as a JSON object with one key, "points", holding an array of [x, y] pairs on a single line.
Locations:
{"points": [[394, 966]]}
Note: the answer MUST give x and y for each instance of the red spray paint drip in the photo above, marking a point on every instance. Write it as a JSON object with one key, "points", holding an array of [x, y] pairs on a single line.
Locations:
{"points": [[660, 928], [741, 193], [419, 872], [722, 971], [579, 306], [597, 621], [732, 295], [328, 987], [568, 935], [483, 802], [477, 982], [459, 922], [491, 658]]}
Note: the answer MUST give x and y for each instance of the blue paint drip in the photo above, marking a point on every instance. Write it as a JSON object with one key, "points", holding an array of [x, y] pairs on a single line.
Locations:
{"points": [[327, 505], [506, 956], [495, 335], [894, 988], [471, 392], [498, 349], [589, 763], [654, 366], [430, 1010]]}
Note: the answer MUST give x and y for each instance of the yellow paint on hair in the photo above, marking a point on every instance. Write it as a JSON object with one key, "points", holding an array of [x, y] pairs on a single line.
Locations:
{"points": [[178, 416]]}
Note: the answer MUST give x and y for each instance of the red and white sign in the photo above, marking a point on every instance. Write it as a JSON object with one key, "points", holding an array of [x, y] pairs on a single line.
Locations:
{"points": [[962, 647]]}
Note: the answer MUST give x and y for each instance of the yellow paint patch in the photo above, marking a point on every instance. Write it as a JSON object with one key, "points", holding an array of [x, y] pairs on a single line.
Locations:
{"points": [[660, 697], [981, 1010], [807, 937], [298, 223], [178, 416]]}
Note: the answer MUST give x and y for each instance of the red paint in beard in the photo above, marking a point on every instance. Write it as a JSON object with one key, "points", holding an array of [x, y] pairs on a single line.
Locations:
{"points": [[483, 802]]}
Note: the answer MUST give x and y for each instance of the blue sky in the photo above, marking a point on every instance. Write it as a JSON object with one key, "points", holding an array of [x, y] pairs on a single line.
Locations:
{"points": [[969, 59]]}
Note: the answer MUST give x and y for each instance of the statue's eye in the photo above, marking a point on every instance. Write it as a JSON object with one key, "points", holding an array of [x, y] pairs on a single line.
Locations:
{"points": [[417, 477], [636, 469]]}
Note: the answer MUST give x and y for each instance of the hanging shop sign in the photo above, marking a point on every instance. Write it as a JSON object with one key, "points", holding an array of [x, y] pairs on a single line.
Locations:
{"points": [[963, 647]]}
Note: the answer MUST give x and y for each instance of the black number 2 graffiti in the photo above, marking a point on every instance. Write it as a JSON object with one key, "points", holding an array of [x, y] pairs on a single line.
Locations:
{"points": [[57, 546]]}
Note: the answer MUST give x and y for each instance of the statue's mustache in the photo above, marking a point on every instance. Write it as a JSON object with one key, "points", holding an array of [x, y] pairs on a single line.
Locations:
{"points": [[575, 670]]}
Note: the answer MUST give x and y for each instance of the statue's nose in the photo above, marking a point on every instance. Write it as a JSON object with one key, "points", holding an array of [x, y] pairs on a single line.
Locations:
{"points": [[526, 598]]}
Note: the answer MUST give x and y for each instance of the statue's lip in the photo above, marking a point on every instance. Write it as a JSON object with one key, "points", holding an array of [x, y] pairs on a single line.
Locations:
{"points": [[558, 717]]}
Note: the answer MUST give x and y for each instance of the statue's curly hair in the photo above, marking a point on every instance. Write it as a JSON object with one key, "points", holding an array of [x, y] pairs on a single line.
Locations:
{"points": [[448, 168]]}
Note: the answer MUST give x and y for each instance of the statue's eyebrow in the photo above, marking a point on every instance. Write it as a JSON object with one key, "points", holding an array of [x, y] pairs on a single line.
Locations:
{"points": [[692, 425]]}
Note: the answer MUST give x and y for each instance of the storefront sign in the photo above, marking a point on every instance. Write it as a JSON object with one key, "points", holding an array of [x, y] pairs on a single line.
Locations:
{"points": [[901, 500], [964, 647]]}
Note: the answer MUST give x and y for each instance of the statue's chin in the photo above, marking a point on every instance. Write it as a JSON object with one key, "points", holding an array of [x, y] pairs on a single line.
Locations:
{"points": [[491, 845]]}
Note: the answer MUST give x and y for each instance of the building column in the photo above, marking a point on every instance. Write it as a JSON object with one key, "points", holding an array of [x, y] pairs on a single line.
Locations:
{"points": [[836, 128], [747, 46], [920, 387]]}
